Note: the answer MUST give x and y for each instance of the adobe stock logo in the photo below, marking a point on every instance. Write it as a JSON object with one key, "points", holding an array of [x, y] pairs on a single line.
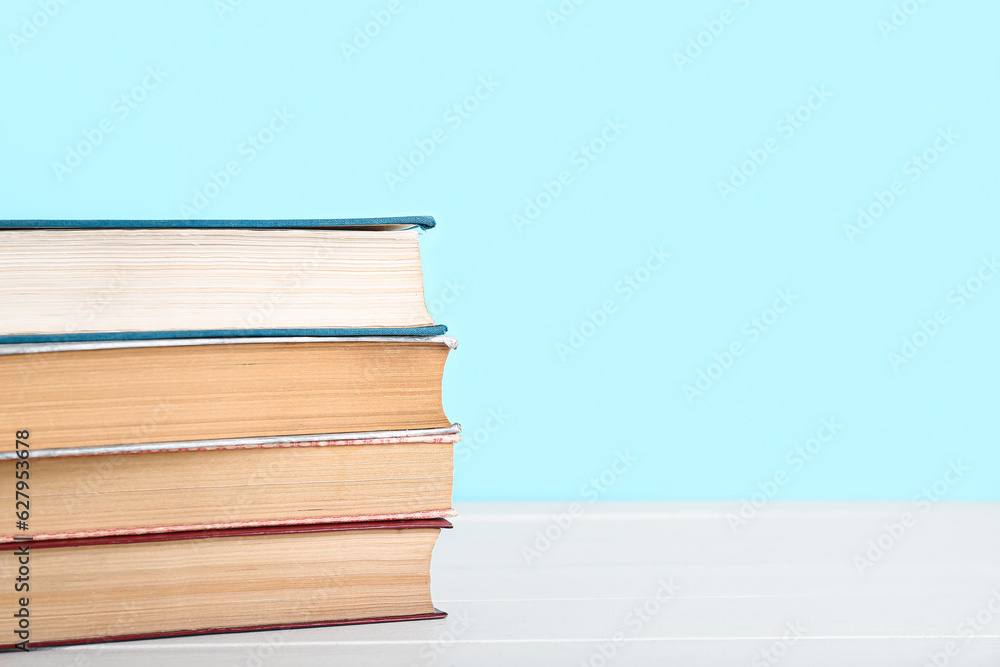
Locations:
{"points": [[713, 30], [969, 629], [582, 158], [452, 290], [929, 328], [629, 284], [725, 360], [560, 524], [89, 307], [223, 7], [787, 125], [31, 25], [94, 137], [899, 16], [635, 620], [779, 647], [456, 114], [892, 533], [249, 149], [797, 458], [915, 167], [381, 18], [477, 439], [562, 13]]}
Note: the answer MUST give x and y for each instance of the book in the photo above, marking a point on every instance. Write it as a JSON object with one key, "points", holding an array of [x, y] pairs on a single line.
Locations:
{"points": [[144, 586], [129, 279], [398, 222], [227, 485], [119, 394]]}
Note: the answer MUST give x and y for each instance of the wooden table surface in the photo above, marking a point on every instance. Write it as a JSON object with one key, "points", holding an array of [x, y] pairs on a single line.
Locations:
{"points": [[814, 584]]}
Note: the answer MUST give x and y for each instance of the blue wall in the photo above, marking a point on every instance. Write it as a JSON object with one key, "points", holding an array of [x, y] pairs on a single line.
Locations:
{"points": [[697, 250]]}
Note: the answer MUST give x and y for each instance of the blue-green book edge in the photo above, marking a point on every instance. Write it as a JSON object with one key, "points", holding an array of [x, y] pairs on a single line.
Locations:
{"points": [[438, 330], [422, 221]]}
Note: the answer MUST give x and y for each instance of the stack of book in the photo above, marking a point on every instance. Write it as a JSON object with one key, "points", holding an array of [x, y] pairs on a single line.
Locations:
{"points": [[217, 425]]}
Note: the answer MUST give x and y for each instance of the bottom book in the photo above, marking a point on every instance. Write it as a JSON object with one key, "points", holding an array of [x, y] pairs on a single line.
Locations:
{"points": [[78, 591]]}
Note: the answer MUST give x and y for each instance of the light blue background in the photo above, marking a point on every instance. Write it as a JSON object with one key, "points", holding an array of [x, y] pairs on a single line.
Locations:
{"points": [[523, 291]]}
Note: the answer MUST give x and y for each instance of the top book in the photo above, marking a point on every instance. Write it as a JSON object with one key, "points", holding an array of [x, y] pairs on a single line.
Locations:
{"points": [[404, 222], [71, 280]]}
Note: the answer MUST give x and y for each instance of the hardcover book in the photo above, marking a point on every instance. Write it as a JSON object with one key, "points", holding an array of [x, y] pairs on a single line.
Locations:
{"points": [[128, 279], [145, 586], [229, 484], [127, 393]]}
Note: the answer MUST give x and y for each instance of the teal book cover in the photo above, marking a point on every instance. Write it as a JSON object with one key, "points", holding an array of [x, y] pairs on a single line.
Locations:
{"points": [[107, 280]]}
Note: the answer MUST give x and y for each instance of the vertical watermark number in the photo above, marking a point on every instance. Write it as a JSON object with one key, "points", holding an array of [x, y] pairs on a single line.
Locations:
{"points": [[22, 507], [22, 513]]}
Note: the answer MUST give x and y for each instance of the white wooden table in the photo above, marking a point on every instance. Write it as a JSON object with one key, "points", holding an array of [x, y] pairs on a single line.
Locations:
{"points": [[785, 589]]}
